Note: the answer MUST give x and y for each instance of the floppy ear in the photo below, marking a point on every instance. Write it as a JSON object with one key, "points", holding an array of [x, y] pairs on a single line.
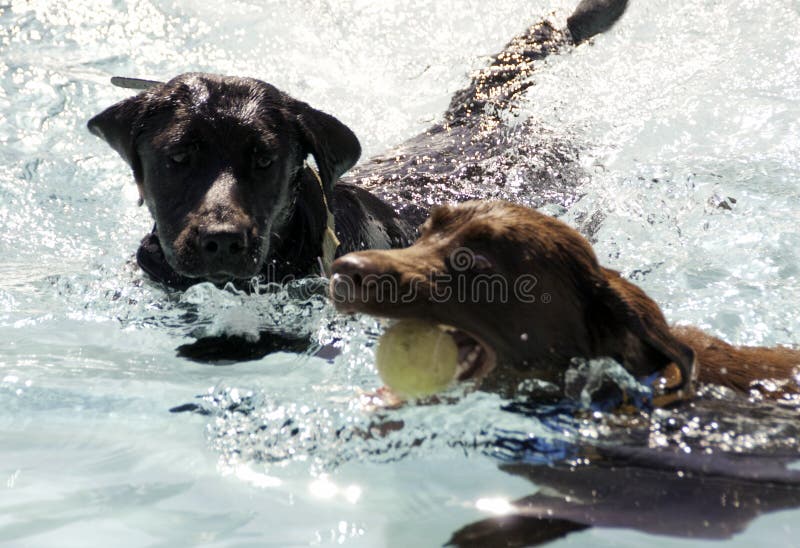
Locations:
{"points": [[334, 146], [115, 126], [637, 332]]}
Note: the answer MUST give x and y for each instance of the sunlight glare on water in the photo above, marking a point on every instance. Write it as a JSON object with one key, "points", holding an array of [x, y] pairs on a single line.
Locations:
{"points": [[686, 116]]}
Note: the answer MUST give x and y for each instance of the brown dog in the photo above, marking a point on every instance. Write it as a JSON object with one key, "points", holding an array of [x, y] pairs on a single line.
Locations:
{"points": [[525, 290]]}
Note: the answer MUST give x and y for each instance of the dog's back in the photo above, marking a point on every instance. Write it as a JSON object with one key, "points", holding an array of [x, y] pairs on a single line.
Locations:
{"points": [[772, 371]]}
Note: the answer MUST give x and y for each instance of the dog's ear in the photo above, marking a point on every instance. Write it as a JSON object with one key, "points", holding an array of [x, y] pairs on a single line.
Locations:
{"points": [[334, 146], [637, 332], [115, 126]]}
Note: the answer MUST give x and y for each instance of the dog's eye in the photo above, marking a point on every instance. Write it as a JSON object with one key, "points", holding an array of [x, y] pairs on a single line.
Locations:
{"points": [[262, 158], [263, 161], [183, 154], [481, 262], [179, 157]]}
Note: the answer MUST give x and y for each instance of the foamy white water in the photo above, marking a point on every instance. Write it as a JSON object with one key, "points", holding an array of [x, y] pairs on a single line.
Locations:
{"points": [[683, 106]]}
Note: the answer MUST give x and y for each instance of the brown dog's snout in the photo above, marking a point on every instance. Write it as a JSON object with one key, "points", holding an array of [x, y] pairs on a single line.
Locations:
{"points": [[349, 273], [356, 276], [222, 243]]}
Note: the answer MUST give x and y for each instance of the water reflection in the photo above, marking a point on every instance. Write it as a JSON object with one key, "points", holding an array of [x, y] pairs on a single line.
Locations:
{"points": [[684, 485]]}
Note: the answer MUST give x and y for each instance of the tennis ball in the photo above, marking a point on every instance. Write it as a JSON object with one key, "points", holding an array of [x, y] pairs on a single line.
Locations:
{"points": [[416, 359]]}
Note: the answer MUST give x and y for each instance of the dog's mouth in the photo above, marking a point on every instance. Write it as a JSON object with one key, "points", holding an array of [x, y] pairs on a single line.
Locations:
{"points": [[476, 359], [190, 262], [220, 275], [220, 278]]}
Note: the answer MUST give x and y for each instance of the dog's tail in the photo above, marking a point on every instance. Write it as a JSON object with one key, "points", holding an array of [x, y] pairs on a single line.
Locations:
{"points": [[592, 17], [508, 73]]}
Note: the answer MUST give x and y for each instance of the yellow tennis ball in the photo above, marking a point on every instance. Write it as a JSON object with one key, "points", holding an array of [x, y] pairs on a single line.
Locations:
{"points": [[416, 359]]}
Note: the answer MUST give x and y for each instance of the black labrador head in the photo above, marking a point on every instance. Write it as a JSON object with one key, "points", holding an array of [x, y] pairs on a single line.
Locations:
{"points": [[218, 161]]}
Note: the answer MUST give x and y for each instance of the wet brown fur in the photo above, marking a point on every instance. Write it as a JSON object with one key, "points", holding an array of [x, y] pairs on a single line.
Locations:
{"points": [[592, 311], [739, 367]]}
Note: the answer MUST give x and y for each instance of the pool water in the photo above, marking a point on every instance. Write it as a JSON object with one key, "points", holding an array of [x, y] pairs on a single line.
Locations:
{"points": [[687, 116]]}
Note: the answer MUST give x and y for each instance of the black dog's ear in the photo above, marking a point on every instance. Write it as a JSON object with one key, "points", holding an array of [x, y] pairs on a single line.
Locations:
{"points": [[641, 336], [115, 126], [334, 146]]}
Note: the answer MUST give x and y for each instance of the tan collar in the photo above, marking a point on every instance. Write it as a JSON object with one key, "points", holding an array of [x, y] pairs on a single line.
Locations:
{"points": [[330, 243]]}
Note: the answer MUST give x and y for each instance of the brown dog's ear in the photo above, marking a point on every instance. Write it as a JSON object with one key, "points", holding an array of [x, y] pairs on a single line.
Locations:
{"points": [[115, 126], [334, 146], [636, 332]]}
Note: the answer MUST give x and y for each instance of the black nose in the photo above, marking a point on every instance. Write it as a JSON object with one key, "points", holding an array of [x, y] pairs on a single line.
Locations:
{"points": [[221, 243], [353, 275], [354, 267]]}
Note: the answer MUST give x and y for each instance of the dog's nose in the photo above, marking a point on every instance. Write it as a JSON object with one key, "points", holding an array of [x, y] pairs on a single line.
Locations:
{"points": [[349, 273], [222, 242], [354, 267]]}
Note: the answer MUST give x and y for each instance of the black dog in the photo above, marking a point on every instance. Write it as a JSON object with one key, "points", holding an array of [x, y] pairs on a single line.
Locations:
{"points": [[220, 163]]}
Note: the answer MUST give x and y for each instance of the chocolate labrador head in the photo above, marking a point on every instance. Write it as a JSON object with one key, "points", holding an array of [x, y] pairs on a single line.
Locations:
{"points": [[217, 161], [517, 288]]}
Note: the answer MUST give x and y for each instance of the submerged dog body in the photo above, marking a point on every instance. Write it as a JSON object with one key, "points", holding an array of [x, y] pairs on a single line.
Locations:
{"points": [[220, 164], [528, 291]]}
